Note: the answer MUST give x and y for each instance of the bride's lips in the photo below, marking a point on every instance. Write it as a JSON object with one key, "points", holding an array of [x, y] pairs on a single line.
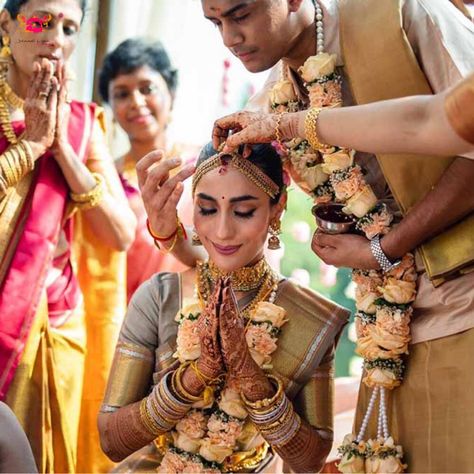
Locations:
{"points": [[226, 249]]}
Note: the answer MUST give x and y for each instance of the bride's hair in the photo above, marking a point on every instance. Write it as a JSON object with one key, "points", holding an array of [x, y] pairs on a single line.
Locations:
{"points": [[264, 157]]}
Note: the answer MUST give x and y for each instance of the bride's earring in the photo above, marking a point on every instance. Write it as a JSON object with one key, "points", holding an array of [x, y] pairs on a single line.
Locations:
{"points": [[195, 240], [275, 231]]}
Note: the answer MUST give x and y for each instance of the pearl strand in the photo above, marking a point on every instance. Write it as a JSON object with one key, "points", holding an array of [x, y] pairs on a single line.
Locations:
{"points": [[319, 28], [383, 411], [368, 413], [379, 420]]}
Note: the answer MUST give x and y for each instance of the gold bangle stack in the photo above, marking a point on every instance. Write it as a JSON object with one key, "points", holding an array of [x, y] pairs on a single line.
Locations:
{"points": [[91, 199], [275, 417], [161, 410], [310, 128], [15, 163]]}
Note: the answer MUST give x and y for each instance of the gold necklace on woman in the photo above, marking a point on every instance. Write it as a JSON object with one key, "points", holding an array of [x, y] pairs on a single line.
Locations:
{"points": [[259, 275], [8, 97]]}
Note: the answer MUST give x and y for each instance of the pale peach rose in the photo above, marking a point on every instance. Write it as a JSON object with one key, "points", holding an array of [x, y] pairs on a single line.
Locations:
{"points": [[365, 302], [337, 161], [282, 93], [171, 463], [193, 308], [361, 202], [392, 342], [379, 225], [231, 403], [250, 437], [381, 377], [394, 320], [352, 464], [212, 452], [226, 437], [390, 464], [260, 359], [367, 281], [260, 340], [194, 424], [188, 344], [314, 176], [351, 185], [223, 433], [318, 66], [265, 311], [406, 271], [368, 349], [398, 291], [184, 442]]}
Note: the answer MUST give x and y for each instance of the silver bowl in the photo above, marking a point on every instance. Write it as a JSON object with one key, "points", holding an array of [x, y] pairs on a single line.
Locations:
{"points": [[329, 224]]}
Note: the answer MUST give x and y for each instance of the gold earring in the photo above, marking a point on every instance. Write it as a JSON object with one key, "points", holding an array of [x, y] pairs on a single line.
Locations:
{"points": [[195, 240], [275, 231], [5, 57]]}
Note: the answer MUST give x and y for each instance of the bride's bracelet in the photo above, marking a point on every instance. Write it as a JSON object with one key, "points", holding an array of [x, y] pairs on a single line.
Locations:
{"points": [[275, 417]]}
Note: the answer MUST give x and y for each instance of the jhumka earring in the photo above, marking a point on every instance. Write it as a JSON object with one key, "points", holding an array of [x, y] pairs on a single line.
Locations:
{"points": [[275, 231], [195, 240], [5, 57]]}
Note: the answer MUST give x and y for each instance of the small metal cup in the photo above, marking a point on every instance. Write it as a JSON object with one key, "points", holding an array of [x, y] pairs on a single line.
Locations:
{"points": [[331, 227]]}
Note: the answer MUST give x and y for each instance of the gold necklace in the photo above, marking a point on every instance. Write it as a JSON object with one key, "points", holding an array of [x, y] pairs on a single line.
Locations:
{"points": [[7, 96], [267, 284], [245, 278], [13, 99]]}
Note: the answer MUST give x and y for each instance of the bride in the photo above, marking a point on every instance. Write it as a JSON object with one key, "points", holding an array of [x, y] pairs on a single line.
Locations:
{"points": [[239, 373]]}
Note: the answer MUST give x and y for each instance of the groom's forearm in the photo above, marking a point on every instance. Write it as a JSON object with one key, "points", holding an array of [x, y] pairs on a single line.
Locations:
{"points": [[447, 203]]}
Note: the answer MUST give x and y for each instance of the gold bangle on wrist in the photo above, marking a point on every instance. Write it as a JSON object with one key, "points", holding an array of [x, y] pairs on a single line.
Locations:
{"points": [[178, 386], [310, 128], [266, 402], [92, 198], [278, 136]]}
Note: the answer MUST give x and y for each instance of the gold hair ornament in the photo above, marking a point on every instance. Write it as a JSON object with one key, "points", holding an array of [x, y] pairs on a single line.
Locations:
{"points": [[246, 167]]}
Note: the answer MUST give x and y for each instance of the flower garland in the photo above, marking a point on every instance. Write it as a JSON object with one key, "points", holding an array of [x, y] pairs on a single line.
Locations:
{"points": [[383, 300], [206, 439]]}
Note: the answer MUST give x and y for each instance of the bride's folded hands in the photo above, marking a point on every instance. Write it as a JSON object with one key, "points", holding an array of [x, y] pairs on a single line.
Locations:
{"points": [[210, 365], [242, 370]]}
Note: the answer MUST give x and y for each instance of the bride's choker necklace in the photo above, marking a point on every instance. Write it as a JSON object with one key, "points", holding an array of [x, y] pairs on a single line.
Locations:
{"points": [[244, 279]]}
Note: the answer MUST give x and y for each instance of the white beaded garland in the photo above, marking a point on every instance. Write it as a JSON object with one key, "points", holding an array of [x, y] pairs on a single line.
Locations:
{"points": [[319, 29]]}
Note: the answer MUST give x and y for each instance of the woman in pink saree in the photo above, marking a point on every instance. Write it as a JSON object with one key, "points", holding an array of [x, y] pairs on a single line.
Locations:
{"points": [[64, 226]]}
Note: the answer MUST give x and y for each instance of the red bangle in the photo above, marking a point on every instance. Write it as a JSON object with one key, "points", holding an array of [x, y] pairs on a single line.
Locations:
{"points": [[157, 237]]}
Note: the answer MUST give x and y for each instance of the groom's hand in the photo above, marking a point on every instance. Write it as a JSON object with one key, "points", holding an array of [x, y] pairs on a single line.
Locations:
{"points": [[344, 250]]}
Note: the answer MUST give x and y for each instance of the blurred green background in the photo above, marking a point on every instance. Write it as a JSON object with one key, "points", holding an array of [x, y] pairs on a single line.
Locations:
{"points": [[300, 262]]}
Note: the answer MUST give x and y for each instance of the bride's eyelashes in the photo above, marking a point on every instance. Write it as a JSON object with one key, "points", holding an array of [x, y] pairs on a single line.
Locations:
{"points": [[205, 211]]}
